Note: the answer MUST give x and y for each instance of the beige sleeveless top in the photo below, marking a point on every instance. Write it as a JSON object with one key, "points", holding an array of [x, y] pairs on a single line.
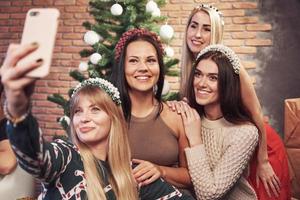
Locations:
{"points": [[151, 139]]}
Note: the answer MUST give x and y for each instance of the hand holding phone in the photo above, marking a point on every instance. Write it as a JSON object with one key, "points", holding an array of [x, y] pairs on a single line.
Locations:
{"points": [[40, 27]]}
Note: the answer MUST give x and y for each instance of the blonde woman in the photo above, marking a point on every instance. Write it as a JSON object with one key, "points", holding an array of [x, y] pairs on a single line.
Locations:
{"points": [[205, 27], [97, 165]]}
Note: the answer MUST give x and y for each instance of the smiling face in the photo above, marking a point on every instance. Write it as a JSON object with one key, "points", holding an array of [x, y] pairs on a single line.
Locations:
{"points": [[91, 123], [199, 32], [141, 66], [206, 84]]}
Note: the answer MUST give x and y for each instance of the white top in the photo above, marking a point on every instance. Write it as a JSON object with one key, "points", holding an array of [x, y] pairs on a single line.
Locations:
{"points": [[218, 166], [16, 185]]}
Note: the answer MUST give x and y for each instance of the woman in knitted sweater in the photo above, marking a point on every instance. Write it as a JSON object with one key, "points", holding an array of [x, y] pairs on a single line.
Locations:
{"points": [[270, 178], [218, 157]]}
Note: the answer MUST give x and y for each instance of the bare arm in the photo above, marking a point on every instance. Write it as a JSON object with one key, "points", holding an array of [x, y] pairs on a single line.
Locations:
{"points": [[16, 97], [179, 176], [251, 101], [8, 160], [147, 172], [265, 171]]}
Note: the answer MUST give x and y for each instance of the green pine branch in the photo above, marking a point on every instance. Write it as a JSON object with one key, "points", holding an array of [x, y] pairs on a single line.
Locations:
{"points": [[171, 62], [110, 28], [60, 100], [171, 96]]}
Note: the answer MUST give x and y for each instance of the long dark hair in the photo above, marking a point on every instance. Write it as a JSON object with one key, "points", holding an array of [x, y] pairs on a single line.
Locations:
{"points": [[229, 90], [119, 80]]}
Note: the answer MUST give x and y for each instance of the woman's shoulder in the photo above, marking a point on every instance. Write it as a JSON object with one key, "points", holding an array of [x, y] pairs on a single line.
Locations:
{"points": [[169, 112], [248, 127], [172, 119], [66, 144], [245, 131]]}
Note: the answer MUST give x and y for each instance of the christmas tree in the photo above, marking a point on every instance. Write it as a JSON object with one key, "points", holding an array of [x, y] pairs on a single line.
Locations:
{"points": [[111, 21]]}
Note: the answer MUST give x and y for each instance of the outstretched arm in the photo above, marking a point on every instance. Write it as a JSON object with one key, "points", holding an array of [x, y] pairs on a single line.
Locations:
{"points": [[265, 171], [252, 103], [42, 159]]}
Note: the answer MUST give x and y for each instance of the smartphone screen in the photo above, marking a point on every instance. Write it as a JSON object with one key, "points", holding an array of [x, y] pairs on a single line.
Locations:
{"points": [[40, 27]]}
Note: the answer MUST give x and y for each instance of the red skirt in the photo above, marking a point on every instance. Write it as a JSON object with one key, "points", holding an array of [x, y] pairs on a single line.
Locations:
{"points": [[278, 160]]}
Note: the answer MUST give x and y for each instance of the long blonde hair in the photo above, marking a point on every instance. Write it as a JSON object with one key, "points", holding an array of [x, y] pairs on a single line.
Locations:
{"points": [[187, 57], [118, 156]]}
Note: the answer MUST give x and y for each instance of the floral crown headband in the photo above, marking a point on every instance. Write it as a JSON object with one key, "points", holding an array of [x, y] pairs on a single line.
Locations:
{"points": [[132, 33], [229, 53], [103, 84]]}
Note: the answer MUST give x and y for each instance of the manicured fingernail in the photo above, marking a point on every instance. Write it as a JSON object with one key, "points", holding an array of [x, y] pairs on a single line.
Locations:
{"points": [[35, 44], [39, 60]]}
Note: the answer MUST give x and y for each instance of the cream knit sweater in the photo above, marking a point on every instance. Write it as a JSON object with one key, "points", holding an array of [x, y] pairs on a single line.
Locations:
{"points": [[218, 166]]}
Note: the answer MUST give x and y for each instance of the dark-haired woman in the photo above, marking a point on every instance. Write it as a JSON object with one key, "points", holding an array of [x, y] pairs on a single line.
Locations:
{"points": [[156, 133], [219, 128]]}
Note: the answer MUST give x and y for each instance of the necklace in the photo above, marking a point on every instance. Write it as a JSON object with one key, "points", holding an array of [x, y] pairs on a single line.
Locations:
{"points": [[104, 173], [102, 170]]}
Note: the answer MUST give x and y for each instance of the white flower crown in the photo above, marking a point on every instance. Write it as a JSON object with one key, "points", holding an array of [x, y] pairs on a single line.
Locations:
{"points": [[103, 84], [229, 53]]}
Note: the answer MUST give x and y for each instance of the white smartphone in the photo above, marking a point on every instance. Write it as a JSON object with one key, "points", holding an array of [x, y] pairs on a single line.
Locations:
{"points": [[40, 27]]}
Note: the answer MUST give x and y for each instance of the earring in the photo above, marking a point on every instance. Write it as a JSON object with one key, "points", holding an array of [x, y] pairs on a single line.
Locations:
{"points": [[155, 89]]}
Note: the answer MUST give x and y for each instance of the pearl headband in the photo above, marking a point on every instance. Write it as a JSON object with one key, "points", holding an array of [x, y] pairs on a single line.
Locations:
{"points": [[229, 53]]}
